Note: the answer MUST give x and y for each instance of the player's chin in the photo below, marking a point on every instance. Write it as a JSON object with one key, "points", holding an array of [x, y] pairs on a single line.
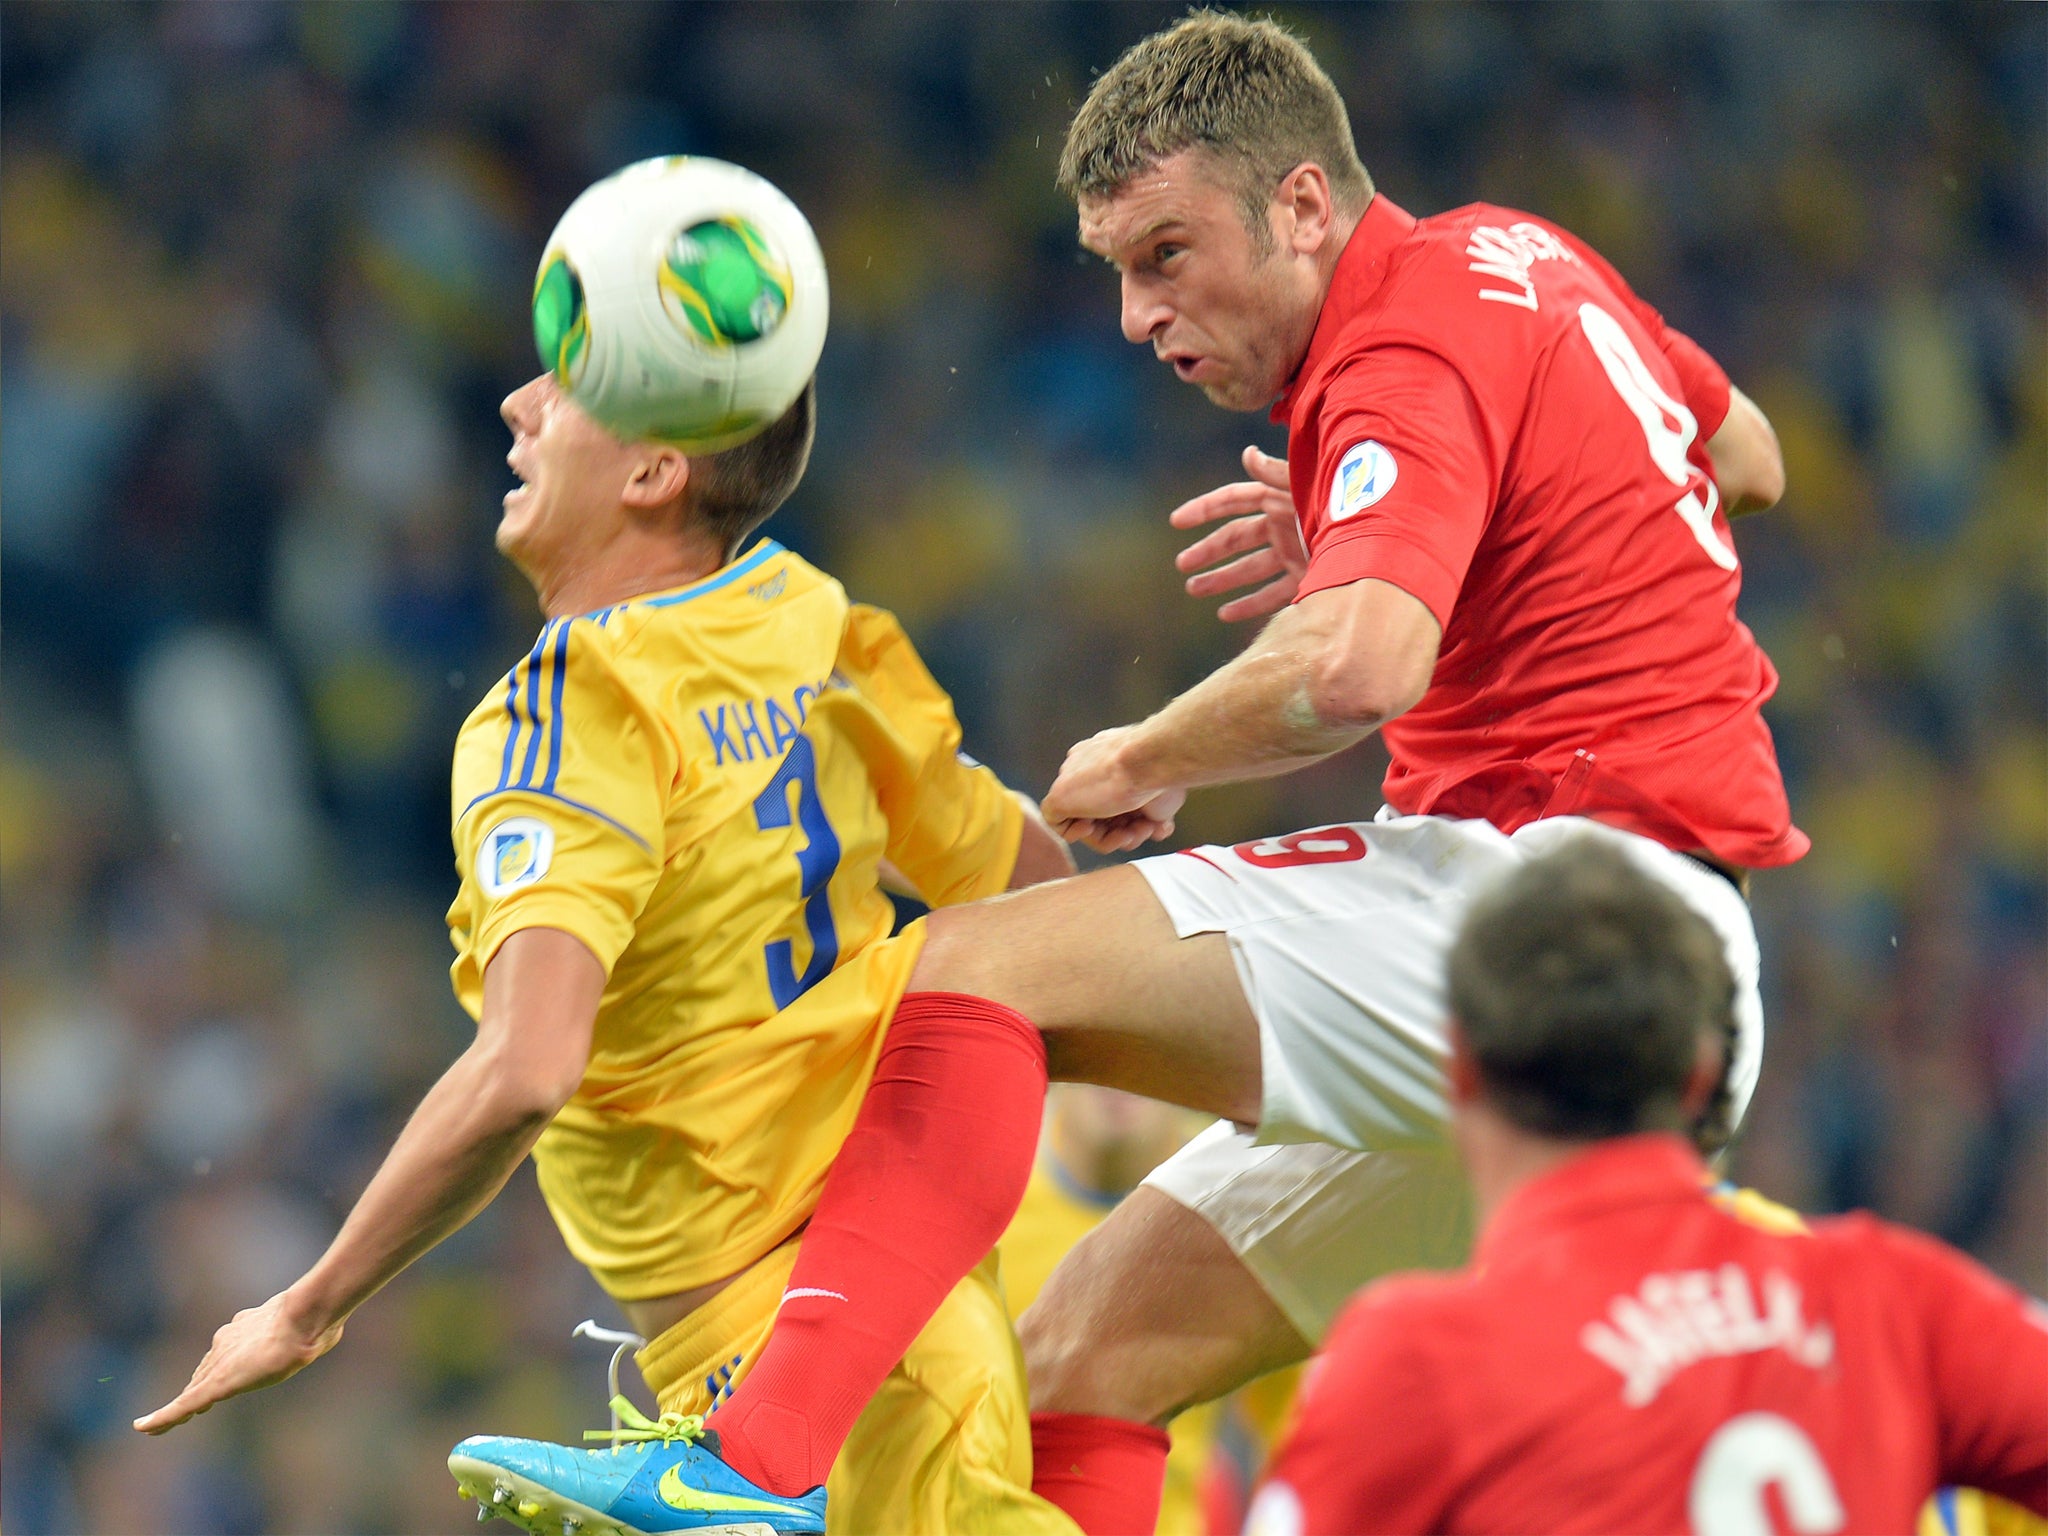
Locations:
{"points": [[516, 523], [1232, 392]]}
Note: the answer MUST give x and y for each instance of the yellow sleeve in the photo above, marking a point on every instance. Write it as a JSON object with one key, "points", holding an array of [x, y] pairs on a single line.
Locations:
{"points": [[954, 829], [562, 823]]}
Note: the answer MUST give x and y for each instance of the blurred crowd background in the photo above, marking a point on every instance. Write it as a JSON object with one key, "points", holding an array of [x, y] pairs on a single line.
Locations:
{"points": [[266, 276]]}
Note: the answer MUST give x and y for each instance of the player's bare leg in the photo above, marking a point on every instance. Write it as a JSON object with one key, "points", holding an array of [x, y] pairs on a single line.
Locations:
{"points": [[1149, 1314], [1121, 1001], [1087, 973], [1153, 1310]]}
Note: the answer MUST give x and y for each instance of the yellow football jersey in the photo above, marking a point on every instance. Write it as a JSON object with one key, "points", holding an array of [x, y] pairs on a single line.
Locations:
{"points": [[700, 785]]}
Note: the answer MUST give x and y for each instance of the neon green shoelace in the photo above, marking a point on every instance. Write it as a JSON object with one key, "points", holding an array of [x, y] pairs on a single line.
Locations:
{"points": [[634, 1427]]}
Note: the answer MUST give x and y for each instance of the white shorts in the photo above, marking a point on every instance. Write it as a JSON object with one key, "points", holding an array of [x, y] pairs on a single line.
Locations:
{"points": [[1340, 936]]}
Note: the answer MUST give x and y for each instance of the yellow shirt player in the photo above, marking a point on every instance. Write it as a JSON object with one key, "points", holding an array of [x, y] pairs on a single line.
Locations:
{"points": [[670, 820]]}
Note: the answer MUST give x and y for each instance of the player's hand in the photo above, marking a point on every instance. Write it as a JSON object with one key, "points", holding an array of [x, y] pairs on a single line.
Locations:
{"points": [[1096, 801], [1263, 534], [257, 1348]]}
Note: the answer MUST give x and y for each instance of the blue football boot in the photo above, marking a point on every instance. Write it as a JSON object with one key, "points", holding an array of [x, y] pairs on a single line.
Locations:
{"points": [[656, 1477]]}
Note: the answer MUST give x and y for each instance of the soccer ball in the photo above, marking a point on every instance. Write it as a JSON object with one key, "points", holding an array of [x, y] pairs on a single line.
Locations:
{"points": [[682, 299]]}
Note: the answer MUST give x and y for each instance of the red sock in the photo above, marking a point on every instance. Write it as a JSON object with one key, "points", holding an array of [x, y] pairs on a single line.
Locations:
{"points": [[1105, 1473], [928, 1179]]}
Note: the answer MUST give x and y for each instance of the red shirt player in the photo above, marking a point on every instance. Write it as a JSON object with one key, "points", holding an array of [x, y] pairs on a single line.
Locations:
{"points": [[1626, 1353], [1453, 432]]}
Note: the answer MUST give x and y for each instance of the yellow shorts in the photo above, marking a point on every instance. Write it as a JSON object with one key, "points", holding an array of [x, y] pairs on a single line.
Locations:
{"points": [[944, 1447]]}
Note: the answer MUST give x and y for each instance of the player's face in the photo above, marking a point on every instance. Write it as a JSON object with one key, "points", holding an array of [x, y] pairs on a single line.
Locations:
{"points": [[1231, 319], [570, 471]]}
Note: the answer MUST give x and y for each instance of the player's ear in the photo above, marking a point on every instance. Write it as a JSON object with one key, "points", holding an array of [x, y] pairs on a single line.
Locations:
{"points": [[1461, 1071], [1709, 1066], [1309, 213], [659, 477]]}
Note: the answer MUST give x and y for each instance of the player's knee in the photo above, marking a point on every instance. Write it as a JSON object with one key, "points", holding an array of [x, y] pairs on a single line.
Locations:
{"points": [[1058, 1363], [1070, 1369], [964, 952]]}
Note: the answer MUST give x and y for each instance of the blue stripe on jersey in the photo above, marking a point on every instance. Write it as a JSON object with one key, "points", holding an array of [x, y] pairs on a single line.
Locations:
{"points": [[554, 728], [574, 805], [555, 723], [535, 664], [768, 550], [512, 705], [512, 726]]}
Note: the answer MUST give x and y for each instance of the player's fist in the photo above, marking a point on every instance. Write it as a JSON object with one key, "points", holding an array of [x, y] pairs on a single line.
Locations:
{"points": [[257, 1348], [1260, 541], [1096, 800]]}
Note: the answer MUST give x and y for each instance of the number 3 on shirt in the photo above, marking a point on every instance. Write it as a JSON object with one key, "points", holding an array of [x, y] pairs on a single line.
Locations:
{"points": [[1668, 427], [816, 863]]}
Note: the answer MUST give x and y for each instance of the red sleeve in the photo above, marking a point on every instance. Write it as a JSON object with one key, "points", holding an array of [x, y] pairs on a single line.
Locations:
{"points": [[1404, 478], [1702, 382], [1347, 1466], [1987, 1358], [1700, 379]]}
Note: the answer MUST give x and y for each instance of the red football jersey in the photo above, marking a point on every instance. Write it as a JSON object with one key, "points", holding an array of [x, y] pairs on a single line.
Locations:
{"points": [[1490, 420], [1627, 1355]]}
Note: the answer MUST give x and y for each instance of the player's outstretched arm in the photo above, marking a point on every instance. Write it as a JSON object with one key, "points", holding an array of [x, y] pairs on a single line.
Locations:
{"points": [[1260, 541], [1326, 672], [471, 1130], [1748, 466]]}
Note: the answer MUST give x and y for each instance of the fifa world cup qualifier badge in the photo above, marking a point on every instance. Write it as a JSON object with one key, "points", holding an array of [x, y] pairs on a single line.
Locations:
{"points": [[1364, 475], [514, 853]]}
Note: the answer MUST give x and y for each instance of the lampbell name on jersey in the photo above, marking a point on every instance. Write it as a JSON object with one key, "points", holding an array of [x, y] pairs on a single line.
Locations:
{"points": [[1509, 253], [1675, 1320], [758, 728]]}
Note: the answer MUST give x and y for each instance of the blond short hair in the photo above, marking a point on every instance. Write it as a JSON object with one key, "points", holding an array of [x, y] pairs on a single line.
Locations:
{"points": [[1243, 90]]}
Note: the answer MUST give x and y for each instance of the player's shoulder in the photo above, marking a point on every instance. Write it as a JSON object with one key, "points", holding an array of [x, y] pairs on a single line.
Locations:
{"points": [[1863, 1244], [761, 584], [767, 613], [1754, 1209], [1464, 242], [875, 638], [1463, 286]]}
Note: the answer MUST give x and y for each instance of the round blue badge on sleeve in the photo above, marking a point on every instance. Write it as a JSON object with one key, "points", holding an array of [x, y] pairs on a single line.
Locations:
{"points": [[1365, 474], [515, 852]]}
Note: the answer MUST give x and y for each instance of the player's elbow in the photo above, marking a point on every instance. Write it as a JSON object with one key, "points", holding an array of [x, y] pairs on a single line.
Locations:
{"points": [[1371, 651], [1348, 696], [1749, 465], [1761, 485], [525, 1090], [1769, 488], [1361, 687]]}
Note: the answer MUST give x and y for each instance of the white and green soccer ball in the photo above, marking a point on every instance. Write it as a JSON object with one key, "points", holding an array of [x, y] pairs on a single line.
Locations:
{"points": [[682, 299]]}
